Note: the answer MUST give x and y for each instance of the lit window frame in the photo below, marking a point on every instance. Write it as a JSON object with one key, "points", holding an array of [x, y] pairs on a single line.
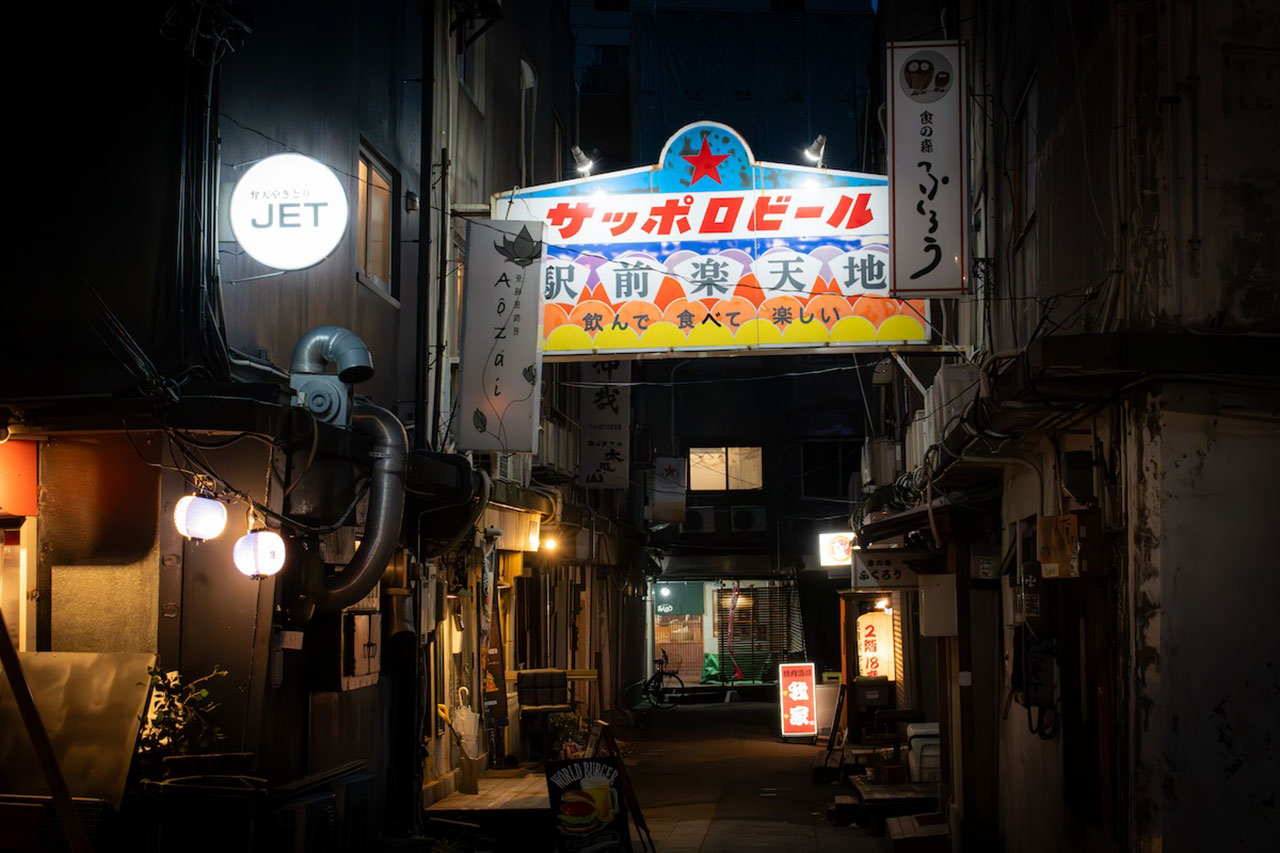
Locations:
{"points": [[369, 162], [727, 452]]}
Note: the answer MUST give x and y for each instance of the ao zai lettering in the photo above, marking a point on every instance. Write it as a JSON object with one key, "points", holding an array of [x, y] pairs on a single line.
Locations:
{"points": [[509, 317]]}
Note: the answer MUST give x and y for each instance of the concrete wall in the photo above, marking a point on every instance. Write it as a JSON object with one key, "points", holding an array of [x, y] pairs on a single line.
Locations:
{"points": [[1030, 769], [1205, 688]]}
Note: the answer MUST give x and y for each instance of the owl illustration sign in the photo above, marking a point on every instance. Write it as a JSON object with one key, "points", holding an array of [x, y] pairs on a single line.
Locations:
{"points": [[927, 169]]}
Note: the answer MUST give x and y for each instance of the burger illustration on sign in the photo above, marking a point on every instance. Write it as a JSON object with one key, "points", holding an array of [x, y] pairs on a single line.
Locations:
{"points": [[578, 811]]}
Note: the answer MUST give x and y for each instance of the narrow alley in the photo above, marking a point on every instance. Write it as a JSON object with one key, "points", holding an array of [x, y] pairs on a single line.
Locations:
{"points": [[466, 426], [716, 778]]}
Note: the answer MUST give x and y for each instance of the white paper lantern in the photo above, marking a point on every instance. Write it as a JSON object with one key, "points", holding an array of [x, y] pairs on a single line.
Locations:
{"points": [[259, 553], [199, 518]]}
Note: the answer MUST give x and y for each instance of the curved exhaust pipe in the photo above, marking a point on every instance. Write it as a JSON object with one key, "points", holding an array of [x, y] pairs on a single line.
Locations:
{"points": [[326, 345], [386, 507]]}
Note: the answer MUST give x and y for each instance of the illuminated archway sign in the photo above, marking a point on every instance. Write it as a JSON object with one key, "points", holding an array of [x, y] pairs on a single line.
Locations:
{"points": [[711, 250], [289, 212]]}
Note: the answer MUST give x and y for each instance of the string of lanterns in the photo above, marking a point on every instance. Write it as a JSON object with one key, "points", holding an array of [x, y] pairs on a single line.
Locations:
{"points": [[258, 554]]}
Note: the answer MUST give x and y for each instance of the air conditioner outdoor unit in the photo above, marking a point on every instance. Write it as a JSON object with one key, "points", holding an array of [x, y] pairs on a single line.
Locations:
{"points": [[699, 519], [954, 386], [915, 441], [748, 519], [880, 461]]}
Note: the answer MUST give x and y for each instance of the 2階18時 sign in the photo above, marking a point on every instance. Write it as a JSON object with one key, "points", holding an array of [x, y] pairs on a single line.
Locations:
{"points": [[797, 699], [288, 212], [927, 179], [710, 249]]}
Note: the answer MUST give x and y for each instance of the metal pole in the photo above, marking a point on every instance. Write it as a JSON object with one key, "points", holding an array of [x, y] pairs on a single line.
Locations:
{"points": [[422, 354], [442, 301], [77, 840]]}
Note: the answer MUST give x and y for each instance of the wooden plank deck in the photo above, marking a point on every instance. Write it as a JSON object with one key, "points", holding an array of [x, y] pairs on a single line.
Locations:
{"points": [[523, 794], [872, 792]]}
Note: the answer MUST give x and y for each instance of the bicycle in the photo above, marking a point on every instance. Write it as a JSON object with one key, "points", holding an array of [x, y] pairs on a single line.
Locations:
{"points": [[664, 689]]}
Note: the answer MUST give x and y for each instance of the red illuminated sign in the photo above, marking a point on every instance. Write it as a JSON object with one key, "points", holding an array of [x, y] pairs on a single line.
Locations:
{"points": [[797, 700]]}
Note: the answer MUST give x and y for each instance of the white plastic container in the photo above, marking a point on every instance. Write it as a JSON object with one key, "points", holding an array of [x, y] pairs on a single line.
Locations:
{"points": [[924, 752]]}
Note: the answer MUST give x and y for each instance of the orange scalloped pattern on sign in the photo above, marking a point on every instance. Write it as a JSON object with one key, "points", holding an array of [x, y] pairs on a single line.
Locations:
{"points": [[639, 315], [741, 310], [876, 308], [583, 310], [828, 308], [918, 314], [749, 288], [781, 310], [669, 291], [598, 293], [824, 285], [553, 315], [698, 312]]}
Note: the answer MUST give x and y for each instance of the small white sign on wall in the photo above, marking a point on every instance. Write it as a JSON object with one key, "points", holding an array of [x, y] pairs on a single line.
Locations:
{"points": [[288, 212], [501, 364]]}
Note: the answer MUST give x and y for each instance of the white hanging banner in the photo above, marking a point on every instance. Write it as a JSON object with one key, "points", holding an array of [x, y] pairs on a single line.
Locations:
{"points": [[927, 182], [501, 365], [605, 412]]}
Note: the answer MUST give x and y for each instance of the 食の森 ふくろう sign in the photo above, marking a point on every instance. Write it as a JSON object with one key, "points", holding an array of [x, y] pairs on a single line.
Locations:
{"points": [[711, 250]]}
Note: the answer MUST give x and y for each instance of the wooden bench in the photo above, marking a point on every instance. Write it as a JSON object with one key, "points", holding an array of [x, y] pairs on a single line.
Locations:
{"points": [[918, 833], [881, 801]]}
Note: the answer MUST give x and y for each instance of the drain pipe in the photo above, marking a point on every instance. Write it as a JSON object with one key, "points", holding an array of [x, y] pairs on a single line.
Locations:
{"points": [[386, 506]]}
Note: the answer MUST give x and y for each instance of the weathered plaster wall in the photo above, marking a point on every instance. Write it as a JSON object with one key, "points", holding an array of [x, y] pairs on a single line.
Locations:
{"points": [[1217, 738], [1205, 688]]}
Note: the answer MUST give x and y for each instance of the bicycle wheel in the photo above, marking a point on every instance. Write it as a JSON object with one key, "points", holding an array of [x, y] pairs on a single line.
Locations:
{"points": [[668, 691]]}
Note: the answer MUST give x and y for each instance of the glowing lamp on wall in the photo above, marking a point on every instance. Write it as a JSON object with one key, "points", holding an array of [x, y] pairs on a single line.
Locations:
{"points": [[259, 554], [200, 518]]}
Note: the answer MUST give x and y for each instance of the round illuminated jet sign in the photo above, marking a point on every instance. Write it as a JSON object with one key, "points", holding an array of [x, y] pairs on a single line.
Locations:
{"points": [[289, 212]]}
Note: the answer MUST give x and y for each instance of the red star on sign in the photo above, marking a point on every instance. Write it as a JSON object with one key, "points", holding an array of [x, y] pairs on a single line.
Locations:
{"points": [[705, 163]]}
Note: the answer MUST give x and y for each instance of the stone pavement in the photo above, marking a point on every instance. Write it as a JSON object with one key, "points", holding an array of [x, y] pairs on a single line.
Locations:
{"points": [[717, 777]]}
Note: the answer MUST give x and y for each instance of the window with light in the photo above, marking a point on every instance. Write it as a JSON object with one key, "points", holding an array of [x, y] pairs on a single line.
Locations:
{"points": [[720, 469], [374, 219]]}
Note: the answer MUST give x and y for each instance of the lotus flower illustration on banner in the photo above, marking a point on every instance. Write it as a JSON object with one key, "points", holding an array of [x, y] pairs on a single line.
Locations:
{"points": [[711, 250], [522, 251]]}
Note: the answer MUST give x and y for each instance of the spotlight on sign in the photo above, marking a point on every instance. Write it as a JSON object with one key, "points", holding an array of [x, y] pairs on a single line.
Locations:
{"points": [[816, 149], [581, 161]]}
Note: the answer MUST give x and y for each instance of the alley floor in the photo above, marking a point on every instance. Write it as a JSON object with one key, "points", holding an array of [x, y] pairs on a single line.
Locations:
{"points": [[716, 777]]}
